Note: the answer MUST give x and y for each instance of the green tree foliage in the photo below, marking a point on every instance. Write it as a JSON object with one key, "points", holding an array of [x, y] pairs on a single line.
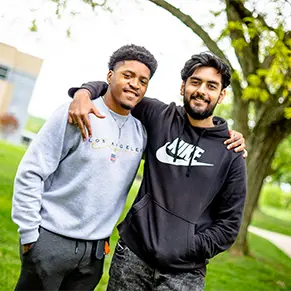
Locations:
{"points": [[273, 196], [281, 166]]}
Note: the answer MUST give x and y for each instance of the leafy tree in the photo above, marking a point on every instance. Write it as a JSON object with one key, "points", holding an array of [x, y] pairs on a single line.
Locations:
{"points": [[261, 85]]}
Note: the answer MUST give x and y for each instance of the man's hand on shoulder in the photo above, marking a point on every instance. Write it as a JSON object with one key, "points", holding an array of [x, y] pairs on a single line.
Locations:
{"points": [[236, 141], [79, 111]]}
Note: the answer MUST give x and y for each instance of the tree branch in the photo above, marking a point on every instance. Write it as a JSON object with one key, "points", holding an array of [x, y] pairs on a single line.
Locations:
{"points": [[194, 26], [244, 12], [248, 55], [267, 62]]}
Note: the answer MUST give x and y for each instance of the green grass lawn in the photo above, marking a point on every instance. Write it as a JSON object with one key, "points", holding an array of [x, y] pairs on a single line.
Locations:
{"points": [[282, 214], [276, 222], [9, 260], [34, 123], [267, 269]]}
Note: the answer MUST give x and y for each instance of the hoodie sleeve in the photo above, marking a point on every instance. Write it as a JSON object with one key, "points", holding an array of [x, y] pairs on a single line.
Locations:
{"points": [[147, 110], [224, 230], [96, 88], [41, 159]]}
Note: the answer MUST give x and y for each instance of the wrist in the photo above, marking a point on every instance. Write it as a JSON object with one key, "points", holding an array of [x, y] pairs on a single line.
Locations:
{"points": [[83, 93]]}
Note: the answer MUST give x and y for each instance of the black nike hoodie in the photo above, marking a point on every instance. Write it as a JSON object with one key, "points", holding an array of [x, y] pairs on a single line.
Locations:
{"points": [[190, 203]]}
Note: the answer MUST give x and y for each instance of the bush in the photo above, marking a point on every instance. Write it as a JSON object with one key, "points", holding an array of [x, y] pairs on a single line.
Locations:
{"points": [[272, 195]]}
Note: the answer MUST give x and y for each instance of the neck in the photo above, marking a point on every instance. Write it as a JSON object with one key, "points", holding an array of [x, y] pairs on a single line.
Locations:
{"points": [[208, 122], [113, 105]]}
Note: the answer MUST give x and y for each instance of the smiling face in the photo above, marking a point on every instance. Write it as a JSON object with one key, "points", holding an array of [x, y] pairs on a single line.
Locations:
{"points": [[128, 83], [202, 91]]}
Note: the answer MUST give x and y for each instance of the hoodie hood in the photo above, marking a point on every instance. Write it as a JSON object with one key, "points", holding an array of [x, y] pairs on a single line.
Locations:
{"points": [[220, 128]]}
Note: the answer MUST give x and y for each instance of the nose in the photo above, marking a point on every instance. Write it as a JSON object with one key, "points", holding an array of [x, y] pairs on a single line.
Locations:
{"points": [[134, 83], [202, 89]]}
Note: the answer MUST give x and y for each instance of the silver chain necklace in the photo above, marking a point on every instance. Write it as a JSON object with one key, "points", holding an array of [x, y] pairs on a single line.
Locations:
{"points": [[113, 155]]}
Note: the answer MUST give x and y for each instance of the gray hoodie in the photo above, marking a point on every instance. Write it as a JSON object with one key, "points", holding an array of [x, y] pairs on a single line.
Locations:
{"points": [[76, 188]]}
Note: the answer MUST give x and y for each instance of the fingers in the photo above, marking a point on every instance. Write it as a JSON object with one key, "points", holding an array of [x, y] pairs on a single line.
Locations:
{"points": [[236, 142], [97, 113], [245, 154], [80, 124], [238, 148], [237, 145], [87, 123], [79, 111], [70, 119]]}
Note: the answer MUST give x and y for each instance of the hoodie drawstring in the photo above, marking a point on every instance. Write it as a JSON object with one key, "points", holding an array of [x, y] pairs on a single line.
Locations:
{"points": [[177, 148], [194, 149], [179, 139], [192, 154]]}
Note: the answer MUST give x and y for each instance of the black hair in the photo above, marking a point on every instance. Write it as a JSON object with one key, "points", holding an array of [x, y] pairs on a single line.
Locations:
{"points": [[133, 53], [207, 59]]}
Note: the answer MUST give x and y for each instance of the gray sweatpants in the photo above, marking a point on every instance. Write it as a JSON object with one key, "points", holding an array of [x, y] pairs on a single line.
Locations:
{"points": [[129, 273], [60, 263]]}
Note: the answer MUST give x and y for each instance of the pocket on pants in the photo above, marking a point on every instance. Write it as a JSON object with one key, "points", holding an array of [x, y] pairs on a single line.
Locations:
{"points": [[121, 249]]}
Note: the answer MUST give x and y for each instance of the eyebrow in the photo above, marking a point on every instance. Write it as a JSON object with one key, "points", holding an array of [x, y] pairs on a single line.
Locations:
{"points": [[133, 73], [210, 81]]}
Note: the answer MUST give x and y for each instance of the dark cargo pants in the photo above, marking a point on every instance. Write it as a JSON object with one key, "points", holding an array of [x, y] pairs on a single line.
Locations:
{"points": [[128, 272]]}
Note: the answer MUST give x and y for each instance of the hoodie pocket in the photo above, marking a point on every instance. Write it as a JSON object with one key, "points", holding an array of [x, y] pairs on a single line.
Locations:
{"points": [[167, 237]]}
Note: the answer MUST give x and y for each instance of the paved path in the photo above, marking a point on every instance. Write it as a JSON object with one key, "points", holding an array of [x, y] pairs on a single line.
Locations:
{"points": [[282, 241]]}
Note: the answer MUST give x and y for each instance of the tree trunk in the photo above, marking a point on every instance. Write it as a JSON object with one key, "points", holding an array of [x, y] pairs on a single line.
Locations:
{"points": [[262, 147]]}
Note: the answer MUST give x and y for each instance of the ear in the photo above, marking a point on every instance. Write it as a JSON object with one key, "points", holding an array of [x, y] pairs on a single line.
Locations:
{"points": [[182, 89], [221, 96], [109, 76]]}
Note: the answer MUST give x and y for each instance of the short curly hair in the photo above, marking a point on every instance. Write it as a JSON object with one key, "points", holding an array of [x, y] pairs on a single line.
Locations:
{"points": [[133, 53], [207, 59]]}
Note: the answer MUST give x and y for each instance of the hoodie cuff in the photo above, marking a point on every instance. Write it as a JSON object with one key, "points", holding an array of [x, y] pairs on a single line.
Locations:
{"points": [[73, 90], [96, 89], [29, 237]]}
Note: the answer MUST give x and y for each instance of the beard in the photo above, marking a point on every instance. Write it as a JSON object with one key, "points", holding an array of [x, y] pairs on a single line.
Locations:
{"points": [[196, 113], [126, 106]]}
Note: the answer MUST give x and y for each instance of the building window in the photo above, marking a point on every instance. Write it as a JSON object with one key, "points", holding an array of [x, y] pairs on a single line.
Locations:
{"points": [[3, 72]]}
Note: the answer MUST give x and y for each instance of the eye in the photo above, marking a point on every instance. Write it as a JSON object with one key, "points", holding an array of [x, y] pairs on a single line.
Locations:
{"points": [[195, 82], [144, 82], [126, 75], [212, 87]]}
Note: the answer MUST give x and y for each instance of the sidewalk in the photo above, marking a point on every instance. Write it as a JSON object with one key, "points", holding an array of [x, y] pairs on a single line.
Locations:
{"points": [[281, 241]]}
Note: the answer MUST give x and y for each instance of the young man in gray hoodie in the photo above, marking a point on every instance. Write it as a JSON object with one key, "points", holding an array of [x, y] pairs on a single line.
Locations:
{"points": [[69, 194]]}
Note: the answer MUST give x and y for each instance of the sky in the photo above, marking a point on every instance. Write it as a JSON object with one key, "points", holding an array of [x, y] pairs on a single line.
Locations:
{"points": [[95, 35]]}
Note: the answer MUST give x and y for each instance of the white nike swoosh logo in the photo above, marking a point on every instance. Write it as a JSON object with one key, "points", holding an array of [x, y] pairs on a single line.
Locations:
{"points": [[163, 157]]}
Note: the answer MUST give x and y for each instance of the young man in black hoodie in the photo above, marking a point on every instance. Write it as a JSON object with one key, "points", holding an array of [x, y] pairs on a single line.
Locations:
{"points": [[190, 203]]}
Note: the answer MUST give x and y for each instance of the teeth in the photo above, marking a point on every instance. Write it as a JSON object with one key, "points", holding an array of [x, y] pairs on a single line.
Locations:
{"points": [[130, 93], [200, 98]]}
